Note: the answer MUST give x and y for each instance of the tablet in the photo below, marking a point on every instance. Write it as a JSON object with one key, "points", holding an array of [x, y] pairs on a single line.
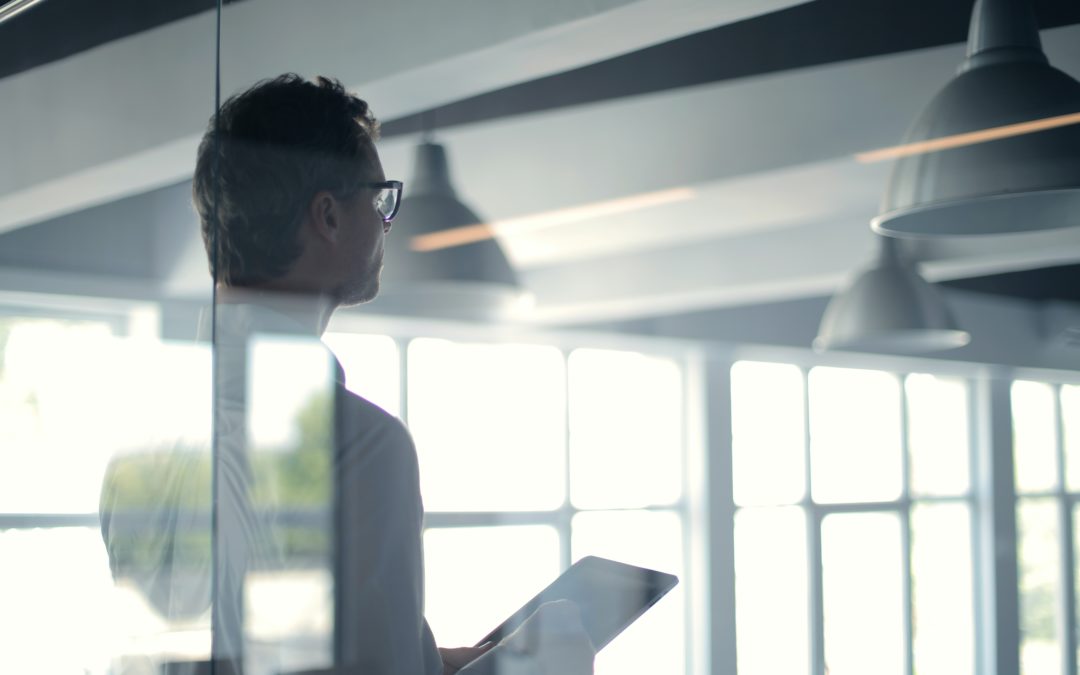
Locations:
{"points": [[611, 596]]}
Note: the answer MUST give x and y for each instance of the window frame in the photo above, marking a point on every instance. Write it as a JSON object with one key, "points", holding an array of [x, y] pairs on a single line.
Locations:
{"points": [[688, 508], [816, 512]]}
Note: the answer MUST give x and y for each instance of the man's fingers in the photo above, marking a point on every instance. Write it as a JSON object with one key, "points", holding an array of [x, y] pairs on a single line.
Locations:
{"points": [[460, 656]]}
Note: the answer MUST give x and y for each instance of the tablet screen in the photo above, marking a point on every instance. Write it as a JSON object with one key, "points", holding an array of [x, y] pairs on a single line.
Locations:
{"points": [[610, 594]]}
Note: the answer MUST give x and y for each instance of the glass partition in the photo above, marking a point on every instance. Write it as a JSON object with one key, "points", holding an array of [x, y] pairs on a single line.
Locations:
{"points": [[105, 389], [333, 332]]}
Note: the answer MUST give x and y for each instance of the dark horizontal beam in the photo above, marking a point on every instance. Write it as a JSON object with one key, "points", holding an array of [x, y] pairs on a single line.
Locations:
{"points": [[811, 34]]}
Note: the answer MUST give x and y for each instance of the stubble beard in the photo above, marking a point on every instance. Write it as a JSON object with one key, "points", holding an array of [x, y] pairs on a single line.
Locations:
{"points": [[359, 290]]}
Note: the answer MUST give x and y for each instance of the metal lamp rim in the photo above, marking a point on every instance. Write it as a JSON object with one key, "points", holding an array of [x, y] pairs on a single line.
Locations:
{"points": [[928, 339], [882, 223]]}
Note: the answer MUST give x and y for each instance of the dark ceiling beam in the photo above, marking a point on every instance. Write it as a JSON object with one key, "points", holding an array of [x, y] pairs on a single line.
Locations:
{"points": [[56, 29], [807, 35]]}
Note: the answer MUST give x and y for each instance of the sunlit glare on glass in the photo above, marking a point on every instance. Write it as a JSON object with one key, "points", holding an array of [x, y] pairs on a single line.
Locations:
{"points": [[854, 435], [938, 435], [767, 414], [1034, 436], [771, 591], [72, 395], [942, 586], [655, 642], [1070, 422], [57, 583], [1038, 556], [1076, 560], [371, 367], [625, 429], [476, 577], [489, 424], [51, 415], [288, 617], [862, 580], [284, 376]]}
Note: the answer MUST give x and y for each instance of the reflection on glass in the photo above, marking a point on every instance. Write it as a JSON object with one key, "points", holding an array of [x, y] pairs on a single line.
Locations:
{"points": [[863, 594], [489, 424], [854, 435], [1034, 436], [476, 577], [938, 435], [128, 421], [767, 418], [288, 601], [771, 591], [1070, 420], [155, 502], [655, 643], [625, 429], [371, 368], [1040, 568], [942, 586]]}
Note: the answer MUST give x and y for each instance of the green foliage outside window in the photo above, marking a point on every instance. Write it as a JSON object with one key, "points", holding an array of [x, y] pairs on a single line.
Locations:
{"points": [[156, 506]]}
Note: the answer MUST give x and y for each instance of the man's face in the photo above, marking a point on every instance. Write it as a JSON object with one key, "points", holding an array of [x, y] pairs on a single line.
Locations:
{"points": [[361, 244]]}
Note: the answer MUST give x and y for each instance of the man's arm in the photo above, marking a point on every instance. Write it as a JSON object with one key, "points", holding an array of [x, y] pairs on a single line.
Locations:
{"points": [[380, 589]]}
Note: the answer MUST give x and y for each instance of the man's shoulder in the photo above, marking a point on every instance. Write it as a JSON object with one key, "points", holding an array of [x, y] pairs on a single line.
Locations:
{"points": [[364, 416]]}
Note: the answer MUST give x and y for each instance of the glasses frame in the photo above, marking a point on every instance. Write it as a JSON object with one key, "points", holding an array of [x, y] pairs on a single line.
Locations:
{"points": [[388, 185]]}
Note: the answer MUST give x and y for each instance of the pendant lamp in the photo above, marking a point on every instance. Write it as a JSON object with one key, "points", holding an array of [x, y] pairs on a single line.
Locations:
{"points": [[471, 281], [1021, 171], [889, 307]]}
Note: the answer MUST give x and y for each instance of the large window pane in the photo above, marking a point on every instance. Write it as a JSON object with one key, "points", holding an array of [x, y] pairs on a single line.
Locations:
{"points": [[73, 396], [938, 435], [489, 423], [476, 577], [1040, 590], [942, 585], [62, 614], [1034, 436], [656, 642], [625, 430], [371, 367], [771, 591], [855, 435], [768, 445], [1070, 419], [863, 593], [285, 376], [1076, 568], [59, 390], [288, 600]]}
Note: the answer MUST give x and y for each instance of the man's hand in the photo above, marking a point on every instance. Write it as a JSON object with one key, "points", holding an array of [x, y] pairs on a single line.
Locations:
{"points": [[454, 659], [553, 639]]}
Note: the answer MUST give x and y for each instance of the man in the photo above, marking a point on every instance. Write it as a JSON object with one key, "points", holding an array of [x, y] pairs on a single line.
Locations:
{"points": [[295, 208]]}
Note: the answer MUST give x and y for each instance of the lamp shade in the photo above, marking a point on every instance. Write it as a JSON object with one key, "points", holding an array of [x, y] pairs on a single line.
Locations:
{"points": [[471, 280], [1002, 181], [889, 307]]}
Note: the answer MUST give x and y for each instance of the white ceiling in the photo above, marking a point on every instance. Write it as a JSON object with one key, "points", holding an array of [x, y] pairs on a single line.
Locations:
{"points": [[779, 207]]}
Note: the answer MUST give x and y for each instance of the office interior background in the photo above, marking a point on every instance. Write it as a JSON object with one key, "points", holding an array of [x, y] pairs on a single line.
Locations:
{"points": [[682, 191]]}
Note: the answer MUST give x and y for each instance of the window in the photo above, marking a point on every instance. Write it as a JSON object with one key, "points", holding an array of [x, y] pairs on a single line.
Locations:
{"points": [[74, 397], [532, 458], [1046, 424], [853, 522]]}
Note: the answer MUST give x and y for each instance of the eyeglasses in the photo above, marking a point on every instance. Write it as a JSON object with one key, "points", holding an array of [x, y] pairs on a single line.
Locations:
{"points": [[387, 198]]}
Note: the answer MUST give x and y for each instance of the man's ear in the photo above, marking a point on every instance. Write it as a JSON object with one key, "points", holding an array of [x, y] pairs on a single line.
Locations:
{"points": [[323, 216]]}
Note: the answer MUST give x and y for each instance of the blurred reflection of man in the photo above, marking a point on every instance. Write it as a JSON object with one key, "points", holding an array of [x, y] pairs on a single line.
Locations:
{"points": [[295, 207]]}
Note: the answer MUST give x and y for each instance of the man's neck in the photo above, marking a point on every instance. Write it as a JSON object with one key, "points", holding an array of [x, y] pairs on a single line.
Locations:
{"points": [[307, 309]]}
